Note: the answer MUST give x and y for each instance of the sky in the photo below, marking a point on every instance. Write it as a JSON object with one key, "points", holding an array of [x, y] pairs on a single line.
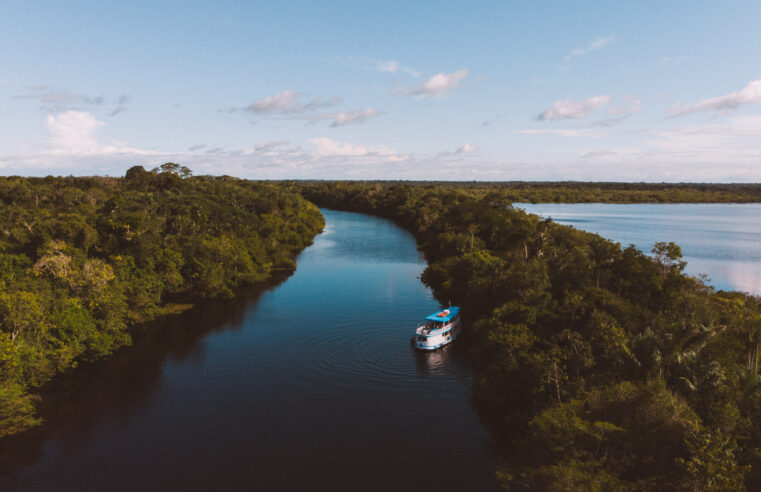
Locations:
{"points": [[427, 90]]}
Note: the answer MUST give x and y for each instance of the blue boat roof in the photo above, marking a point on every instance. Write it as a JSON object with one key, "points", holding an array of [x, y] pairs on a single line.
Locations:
{"points": [[444, 315]]}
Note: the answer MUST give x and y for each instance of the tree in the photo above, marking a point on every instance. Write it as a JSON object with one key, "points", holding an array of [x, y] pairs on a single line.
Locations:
{"points": [[668, 256]]}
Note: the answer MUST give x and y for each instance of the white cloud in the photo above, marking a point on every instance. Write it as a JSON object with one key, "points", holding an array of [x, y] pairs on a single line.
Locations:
{"points": [[563, 132], [287, 105], [279, 102], [392, 66], [751, 93], [570, 109], [630, 105], [74, 132], [352, 117], [373, 65], [288, 102], [438, 85], [593, 46], [328, 147], [467, 149]]}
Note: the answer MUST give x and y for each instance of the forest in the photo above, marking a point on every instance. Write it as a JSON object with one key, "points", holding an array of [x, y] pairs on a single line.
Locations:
{"points": [[596, 192], [84, 260], [596, 366]]}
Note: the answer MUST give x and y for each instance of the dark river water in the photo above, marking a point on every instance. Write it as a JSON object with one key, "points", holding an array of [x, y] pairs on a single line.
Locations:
{"points": [[311, 385]]}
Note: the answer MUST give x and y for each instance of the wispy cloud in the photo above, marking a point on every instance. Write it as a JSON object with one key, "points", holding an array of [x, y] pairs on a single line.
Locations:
{"points": [[578, 132], [327, 147], [595, 45], [195, 147], [55, 100], [573, 109], [287, 102], [289, 105], [630, 105], [466, 149], [270, 145], [121, 102], [353, 117], [598, 154], [373, 65], [437, 86], [751, 93]]}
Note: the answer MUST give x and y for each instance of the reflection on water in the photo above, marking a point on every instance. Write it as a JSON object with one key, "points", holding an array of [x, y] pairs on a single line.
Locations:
{"points": [[120, 385], [312, 385], [439, 362], [720, 240]]}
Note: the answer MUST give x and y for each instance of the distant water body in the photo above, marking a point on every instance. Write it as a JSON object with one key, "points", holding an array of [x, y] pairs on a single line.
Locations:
{"points": [[312, 385], [720, 240]]}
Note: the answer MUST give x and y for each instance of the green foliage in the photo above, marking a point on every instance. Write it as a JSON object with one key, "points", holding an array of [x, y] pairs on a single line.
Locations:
{"points": [[580, 192], [16, 410], [596, 367], [84, 259]]}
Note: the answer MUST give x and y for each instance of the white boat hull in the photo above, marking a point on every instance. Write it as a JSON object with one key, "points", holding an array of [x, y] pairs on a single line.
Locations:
{"points": [[438, 338]]}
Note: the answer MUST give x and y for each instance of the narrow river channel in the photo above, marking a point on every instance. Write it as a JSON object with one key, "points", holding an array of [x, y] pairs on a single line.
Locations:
{"points": [[311, 385]]}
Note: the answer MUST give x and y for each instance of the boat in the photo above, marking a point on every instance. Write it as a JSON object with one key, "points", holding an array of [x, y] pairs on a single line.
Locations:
{"points": [[438, 329]]}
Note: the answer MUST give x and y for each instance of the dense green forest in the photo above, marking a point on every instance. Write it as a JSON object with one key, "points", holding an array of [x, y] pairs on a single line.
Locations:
{"points": [[590, 192], [596, 367], [82, 260]]}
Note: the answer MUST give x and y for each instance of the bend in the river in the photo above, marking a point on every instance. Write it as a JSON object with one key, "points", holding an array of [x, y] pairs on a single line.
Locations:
{"points": [[310, 385]]}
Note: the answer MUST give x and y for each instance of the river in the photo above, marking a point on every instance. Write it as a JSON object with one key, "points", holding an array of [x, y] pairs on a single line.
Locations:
{"points": [[721, 240], [311, 385]]}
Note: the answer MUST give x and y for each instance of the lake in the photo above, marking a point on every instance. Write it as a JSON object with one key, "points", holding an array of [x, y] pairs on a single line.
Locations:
{"points": [[720, 240], [311, 385]]}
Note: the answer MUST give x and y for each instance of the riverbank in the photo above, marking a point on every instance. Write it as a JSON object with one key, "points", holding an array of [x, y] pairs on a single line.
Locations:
{"points": [[604, 366], [84, 260], [315, 374]]}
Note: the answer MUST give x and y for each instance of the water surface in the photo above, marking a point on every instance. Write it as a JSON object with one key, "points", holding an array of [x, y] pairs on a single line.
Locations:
{"points": [[312, 385], [720, 240]]}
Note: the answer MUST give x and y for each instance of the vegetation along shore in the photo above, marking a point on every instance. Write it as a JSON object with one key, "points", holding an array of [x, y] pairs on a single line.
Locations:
{"points": [[607, 368], [82, 260], [594, 192], [596, 367]]}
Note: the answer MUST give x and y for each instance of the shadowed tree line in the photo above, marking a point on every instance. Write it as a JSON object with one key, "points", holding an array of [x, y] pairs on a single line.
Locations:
{"points": [[84, 259], [591, 192], [596, 367]]}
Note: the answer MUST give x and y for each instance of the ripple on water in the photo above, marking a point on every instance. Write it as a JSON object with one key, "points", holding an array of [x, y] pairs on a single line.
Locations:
{"points": [[314, 387]]}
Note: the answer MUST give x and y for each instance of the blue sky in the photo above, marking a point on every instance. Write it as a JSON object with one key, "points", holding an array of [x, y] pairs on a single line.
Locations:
{"points": [[617, 91]]}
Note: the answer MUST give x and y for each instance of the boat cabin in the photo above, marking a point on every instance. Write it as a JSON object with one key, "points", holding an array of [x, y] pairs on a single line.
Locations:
{"points": [[439, 320]]}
